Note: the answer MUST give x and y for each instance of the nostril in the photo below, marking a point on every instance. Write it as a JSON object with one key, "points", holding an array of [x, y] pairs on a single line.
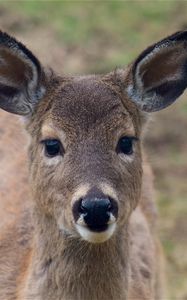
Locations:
{"points": [[109, 207], [95, 209], [96, 212], [83, 210], [113, 207], [77, 209]]}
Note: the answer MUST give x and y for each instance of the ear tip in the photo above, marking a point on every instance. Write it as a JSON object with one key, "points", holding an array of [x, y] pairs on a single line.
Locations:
{"points": [[2, 33], [11, 43], [179, 36], [6, 39]]}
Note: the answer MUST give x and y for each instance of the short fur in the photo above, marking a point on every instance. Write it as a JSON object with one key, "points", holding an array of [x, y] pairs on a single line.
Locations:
{"points": [[42, 256]]}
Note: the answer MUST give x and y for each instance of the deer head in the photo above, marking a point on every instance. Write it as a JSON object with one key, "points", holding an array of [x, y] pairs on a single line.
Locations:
{"points": [[85, 149]]}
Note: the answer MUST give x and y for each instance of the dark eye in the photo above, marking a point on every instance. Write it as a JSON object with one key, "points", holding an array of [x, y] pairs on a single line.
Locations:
{"points": [[52, 147], [125, 145]]}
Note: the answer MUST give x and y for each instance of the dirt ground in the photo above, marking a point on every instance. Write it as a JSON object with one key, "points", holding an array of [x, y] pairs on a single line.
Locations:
{"points": [[166, 144]]}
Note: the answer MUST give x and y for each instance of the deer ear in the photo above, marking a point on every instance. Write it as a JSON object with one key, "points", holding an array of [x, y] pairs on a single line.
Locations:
{"points": [[159, 74], [21, 77]]}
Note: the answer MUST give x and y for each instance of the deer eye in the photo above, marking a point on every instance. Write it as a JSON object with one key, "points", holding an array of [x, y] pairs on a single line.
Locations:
{"points": [[125, 145], [52, 147]]}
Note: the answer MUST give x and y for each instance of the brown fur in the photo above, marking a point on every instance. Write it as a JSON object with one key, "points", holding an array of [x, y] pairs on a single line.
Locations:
{"points": [[42, 255], [64, 267]]}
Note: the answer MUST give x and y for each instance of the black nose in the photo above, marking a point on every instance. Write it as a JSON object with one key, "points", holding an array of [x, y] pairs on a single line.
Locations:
{"points": [[96, 212]]}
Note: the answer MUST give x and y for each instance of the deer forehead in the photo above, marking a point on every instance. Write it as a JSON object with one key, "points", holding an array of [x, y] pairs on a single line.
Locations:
{"points": [[87, 104]]}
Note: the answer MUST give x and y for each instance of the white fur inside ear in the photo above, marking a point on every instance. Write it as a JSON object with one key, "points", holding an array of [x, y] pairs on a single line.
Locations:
{"points": [[35, 91], [136, 90], [135, 95], [144, 101], [22, 82], [145, 95]]}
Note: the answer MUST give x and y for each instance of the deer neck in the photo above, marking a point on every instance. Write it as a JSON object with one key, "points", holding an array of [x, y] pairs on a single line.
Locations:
{"points": [[66, 268]]}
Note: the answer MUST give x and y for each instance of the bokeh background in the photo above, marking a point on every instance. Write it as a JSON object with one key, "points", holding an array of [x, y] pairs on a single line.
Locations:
{"points": [[95, 37]]}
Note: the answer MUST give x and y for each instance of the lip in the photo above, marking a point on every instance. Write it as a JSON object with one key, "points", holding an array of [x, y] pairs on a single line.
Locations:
{"points": [[81, 222], [99, 228], [96, 236]]}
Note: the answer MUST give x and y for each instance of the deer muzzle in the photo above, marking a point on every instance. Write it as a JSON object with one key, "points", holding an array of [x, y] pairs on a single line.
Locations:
{"points": [[95, 217]]}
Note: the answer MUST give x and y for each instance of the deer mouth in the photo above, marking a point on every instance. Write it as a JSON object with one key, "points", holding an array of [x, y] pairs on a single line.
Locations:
{"points": [[98, 228], [96, 234]]}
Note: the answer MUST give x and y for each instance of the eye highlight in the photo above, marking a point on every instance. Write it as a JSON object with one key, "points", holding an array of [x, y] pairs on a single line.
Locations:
{"points": [[53, 147], [125, 145]]}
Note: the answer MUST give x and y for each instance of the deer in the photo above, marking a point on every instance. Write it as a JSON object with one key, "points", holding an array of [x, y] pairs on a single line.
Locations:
{"points": [[89, 231]]}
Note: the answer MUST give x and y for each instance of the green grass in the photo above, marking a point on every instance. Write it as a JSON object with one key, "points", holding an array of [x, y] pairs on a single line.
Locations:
{"points": [[121, 26]]}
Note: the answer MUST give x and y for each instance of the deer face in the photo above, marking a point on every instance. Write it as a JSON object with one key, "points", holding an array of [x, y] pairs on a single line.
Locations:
{"points": [[85, 154], [86, 161]]}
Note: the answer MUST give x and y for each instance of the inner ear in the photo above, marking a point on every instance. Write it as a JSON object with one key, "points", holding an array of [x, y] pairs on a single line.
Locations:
{"points": [[159, 75], [168, 64], [9, 63], [21, 77]]}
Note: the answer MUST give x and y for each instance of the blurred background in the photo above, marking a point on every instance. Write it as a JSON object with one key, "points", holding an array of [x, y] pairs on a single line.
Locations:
{"points": [[95, 37]]}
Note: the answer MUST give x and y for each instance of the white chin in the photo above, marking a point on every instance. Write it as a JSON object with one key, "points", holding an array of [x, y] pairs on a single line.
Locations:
{"points": [[95, 237]]}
